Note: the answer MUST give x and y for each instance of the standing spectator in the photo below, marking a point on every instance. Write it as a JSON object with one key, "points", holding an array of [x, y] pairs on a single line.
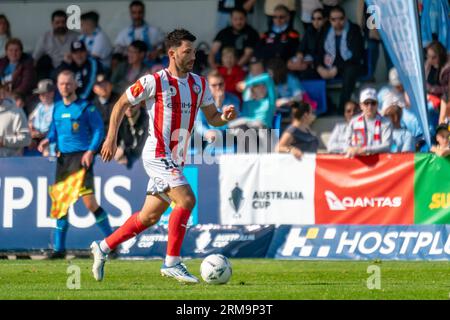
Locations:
{"points": [[437, 70], [230, 71], [16, 69], [402, 139], [225, 8], [341, 53], [442, 148], [281, 41], [337, 142], [128, 72], [105, 98], [5, 33], [84, 67], [221, 98], [298, 137], [304, 61], [52, 46], [41, 118], [270, 6], [239, 35], [140, 30], [14, 133], [95, 39], [369, 132], [131, 136], [77, 130]]}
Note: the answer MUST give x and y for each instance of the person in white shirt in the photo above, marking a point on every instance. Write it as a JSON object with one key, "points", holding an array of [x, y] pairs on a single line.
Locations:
{"points": [[139, 30], [95, 39], [337, 141]]}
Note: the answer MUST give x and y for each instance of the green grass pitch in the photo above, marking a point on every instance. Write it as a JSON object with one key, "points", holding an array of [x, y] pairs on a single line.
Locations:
{"points": [[252, 279]]}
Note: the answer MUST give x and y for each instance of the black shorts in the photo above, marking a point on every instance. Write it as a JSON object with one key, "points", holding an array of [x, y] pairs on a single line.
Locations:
{"points": [[69, 163]]}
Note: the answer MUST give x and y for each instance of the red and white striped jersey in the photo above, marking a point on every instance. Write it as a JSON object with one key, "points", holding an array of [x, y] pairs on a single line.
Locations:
{"points": [[172, 104]]}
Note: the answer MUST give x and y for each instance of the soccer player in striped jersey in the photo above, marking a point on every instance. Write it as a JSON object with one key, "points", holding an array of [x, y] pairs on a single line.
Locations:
{"points": [[173, 97]]}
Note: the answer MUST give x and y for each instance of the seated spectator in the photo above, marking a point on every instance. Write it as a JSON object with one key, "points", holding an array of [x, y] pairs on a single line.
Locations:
{"points": [[5, 33], [402, 139], [104, 99], [53, 45], [221, 98], [270, 8], [255, 67], [226, 7], [132, 135], [298, 137], [16, 69], [139, 30], [129, 71], [337, 142], [303, 62], [95, 39], [40, 119], [307, 9], [281, 41], [240, 35], [369, 132], [84, 67], [442, 147], [437, 71], [14, 133], [230, 71], [341, 53]]}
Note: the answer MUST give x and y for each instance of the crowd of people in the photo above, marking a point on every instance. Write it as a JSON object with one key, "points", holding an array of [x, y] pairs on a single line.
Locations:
{"points": [[260, 72]]}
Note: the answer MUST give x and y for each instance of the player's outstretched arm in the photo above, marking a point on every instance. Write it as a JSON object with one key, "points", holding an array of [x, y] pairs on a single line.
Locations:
{"points": [[217, 119], [110, 145]]}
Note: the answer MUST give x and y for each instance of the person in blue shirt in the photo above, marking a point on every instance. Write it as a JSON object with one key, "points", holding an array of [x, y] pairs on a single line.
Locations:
{"points": [[77, 128]]}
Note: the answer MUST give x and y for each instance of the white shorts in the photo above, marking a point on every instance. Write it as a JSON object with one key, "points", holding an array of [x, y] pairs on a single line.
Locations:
{"points": [[163, 174]]}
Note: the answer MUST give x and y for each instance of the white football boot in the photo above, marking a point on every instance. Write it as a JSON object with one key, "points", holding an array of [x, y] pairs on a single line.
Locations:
{"points": [[179, 272], [99, 261]]}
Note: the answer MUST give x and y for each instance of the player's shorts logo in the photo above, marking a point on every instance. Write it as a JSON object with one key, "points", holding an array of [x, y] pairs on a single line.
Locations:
{"points": [[196, 88], [172, 91], [137, 89]]}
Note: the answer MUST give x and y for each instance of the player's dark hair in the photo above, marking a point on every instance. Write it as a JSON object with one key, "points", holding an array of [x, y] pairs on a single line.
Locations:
{"points": [[59, 13], [338, 9], [140, 45], [137, 3], [299, 109], [91, 16], [174, 38], [240, 10]]}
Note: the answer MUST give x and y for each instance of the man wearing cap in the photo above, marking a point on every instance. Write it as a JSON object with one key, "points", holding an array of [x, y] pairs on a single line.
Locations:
{"points": [[41, 117], [442, 148], [84, 67], [369, 132]]}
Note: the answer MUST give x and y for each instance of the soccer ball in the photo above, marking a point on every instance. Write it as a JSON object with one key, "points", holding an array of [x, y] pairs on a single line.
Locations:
{"points": [[216, 269]]}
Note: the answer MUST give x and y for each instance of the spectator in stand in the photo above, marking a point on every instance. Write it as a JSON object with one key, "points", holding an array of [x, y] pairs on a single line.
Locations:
{"points": [[95, 39], [221, 98], [14, 133], [402, 139], [303, 63], [128, 72], [308, 7], [230, 71], [40, 119], [53, 45], [337, 142], [239, 35], [369, 132], [104, 99], [280, 41], [437, 71], [5, 33], [298, 138], [132, 135], [140, 30], [226, 7], [341, 53], [442, 148], [84, 67], [329, 5], [16, 69], [270, 7]]}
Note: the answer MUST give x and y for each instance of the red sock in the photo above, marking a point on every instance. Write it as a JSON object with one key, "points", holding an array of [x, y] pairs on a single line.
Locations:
{"points": [[177, 229], [131, 228]]}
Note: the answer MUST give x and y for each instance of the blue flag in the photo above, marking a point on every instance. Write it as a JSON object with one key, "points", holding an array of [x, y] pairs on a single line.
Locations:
{"points": [[397, 22]]}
